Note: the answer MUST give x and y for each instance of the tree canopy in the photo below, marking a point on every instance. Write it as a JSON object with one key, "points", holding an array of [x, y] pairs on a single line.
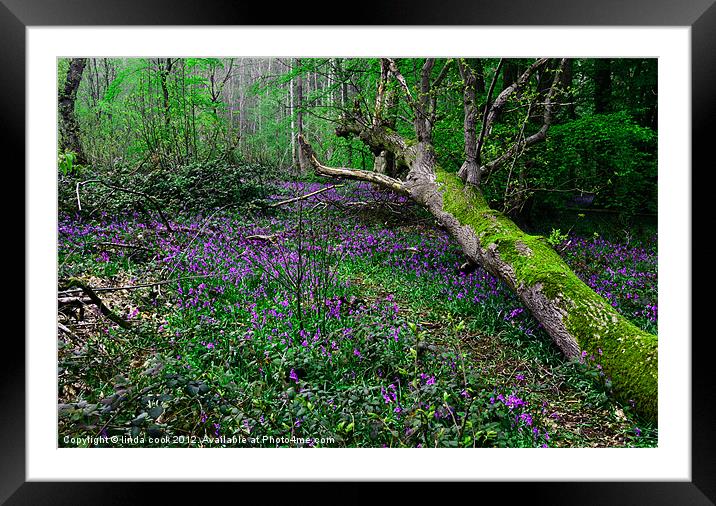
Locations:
{"points": [[601, 147]]}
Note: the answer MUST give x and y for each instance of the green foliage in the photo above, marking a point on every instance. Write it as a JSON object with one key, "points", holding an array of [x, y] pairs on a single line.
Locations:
{"points": [[209, 185], [556, 237], [66, 163], [196, 110], [606, 154], [132, 108], [191, 187]]}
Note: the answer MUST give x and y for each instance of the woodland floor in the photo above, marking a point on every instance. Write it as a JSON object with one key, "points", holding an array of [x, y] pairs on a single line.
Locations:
{"points": [[342, 320]]}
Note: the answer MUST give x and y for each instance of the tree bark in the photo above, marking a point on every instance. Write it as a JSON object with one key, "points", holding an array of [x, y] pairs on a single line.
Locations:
{"points": [[579, 321], [302, 162], [567, 79], [384, 115], [341, 74], [165, 68], [470, 170], [294, 152], [69, 128], [602, 85]]}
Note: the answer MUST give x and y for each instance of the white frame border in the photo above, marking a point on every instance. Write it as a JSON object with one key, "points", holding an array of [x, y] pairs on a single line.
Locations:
{"points": [[670, 461]]}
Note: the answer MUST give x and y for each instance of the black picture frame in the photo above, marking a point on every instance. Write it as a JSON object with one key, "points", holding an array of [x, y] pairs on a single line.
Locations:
{"points": [[700, 15]]}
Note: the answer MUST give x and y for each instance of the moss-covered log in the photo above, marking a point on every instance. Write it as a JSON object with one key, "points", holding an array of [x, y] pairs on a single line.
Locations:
{"points": [[577, 319]]}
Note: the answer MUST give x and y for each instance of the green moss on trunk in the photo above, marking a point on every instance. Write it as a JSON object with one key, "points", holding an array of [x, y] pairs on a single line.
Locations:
{"points": [[627, 354]]}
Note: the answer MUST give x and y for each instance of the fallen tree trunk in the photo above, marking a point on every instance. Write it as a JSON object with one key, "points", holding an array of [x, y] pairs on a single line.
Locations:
{"points": [[579, 321], [576, 318], [75, 282]]}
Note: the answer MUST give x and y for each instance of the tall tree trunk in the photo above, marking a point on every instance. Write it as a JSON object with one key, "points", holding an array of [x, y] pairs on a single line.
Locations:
{"points": [[384, 115], [165, 67], [242, 105], [69, 128], [93, 81], [344, 101], [602, 85], [109, 75], [302, 162], [294, 152], [470, 170], [577, 319], [567, 80], [509, 73]]}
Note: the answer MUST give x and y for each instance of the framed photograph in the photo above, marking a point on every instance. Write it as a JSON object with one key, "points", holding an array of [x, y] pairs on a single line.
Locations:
{"points": [[193, 103]]}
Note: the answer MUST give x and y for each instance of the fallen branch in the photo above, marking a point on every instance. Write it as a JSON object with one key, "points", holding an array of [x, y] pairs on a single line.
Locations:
{"points": [[577, 319], [156, 283], [259, 237], [322, 205], [360, 175], [132, 287], [98, 302], [72, 301], [122, 245], [68, 332], [184, 228], [69, 292], [200, 232], [302, 197]]}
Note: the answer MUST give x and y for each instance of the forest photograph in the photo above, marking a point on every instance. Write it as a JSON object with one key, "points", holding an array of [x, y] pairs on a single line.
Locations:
{"points": [[451, 252]]}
